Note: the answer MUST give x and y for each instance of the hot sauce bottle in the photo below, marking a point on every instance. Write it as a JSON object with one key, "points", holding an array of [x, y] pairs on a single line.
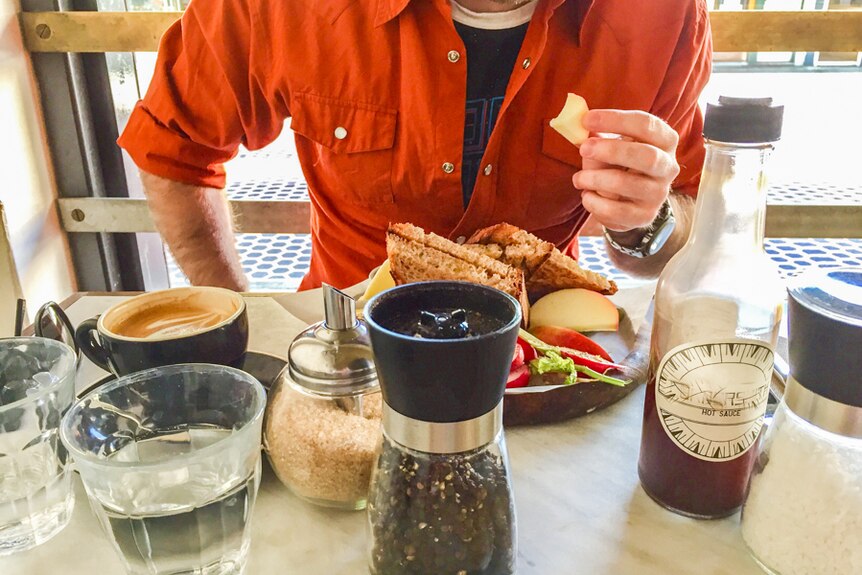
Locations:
{"points": [[717, 311]]}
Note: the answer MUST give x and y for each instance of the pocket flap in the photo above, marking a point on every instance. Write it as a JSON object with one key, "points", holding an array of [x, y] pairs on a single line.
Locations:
{"points": [[343, 127], [556, 146]]}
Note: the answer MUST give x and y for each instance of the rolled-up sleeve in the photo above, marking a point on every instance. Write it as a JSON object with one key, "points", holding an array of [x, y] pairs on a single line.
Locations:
{"points": [[206, 97], [683, 83]]}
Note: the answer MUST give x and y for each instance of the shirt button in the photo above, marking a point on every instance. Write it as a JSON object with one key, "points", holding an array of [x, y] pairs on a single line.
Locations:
{"points": [[448, 167], [454, 56], [340, 132], [488, 169], [526, 63]]}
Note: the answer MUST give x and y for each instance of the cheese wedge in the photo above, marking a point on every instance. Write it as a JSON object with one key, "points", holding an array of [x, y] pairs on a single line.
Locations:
{"points": [[381, 281], [569, 123]]}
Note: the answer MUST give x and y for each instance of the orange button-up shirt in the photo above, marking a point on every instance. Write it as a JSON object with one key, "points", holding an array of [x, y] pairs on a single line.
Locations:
{"points": [[378, 106]]}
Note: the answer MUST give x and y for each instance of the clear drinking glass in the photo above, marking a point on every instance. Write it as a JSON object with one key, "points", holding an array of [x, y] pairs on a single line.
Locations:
{"points": [[37, 384], [170, 459]]}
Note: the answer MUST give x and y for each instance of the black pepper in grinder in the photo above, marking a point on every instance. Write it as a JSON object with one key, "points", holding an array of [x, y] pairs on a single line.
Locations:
{"points": [[441, 496]]}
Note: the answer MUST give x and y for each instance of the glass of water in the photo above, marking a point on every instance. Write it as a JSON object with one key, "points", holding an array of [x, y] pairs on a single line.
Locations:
{"points": [[37, 384], [170, 460]]}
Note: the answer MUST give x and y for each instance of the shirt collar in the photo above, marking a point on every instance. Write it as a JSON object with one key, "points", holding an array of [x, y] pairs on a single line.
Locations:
{"points": [[390, 9]]}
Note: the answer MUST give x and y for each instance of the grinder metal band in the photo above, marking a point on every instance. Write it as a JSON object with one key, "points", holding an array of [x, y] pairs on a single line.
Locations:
{"points": [[823, 412], [431, 437]]}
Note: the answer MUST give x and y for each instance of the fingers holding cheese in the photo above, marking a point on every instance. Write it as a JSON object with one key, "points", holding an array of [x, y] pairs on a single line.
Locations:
{"points": [[569, 122]]}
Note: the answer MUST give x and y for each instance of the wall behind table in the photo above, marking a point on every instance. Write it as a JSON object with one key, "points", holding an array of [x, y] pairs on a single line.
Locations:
{"points": [[27, 187]]}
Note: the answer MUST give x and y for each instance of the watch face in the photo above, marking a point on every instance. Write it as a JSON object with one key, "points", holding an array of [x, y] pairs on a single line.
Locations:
{"points": [[661, 235]]}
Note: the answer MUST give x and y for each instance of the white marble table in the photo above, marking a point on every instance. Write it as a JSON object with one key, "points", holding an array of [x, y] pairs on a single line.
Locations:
{"points": [[580, 508]]}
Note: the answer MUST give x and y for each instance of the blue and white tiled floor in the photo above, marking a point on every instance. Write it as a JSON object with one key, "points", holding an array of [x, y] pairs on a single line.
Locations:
{"points": [[794, 256], [272, 262]]}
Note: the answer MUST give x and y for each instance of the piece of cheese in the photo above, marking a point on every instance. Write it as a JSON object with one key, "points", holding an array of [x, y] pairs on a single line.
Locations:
{"points": [[381, 281], [569, 123]]}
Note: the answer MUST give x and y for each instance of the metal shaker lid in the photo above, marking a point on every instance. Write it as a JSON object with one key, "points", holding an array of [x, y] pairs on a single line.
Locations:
{"points": [[334, 357], [825, 324]]}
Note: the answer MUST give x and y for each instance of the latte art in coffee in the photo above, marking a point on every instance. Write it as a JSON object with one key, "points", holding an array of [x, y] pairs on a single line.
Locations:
{"points": [[178, 325], [170, 321]]}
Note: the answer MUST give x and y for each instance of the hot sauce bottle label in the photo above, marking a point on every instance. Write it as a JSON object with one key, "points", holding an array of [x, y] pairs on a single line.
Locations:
{"points": [[711, 396]]}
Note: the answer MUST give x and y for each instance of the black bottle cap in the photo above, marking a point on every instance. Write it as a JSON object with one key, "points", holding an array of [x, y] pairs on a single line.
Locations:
{"points": [[825, 323], [743, 120], [442, 380]]}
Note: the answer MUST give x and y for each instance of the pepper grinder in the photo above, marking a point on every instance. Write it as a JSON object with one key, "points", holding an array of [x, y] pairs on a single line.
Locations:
{"points": [[440, 499], [323, 418]]}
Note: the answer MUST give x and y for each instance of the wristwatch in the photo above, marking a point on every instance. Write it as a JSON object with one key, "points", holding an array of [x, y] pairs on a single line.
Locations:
{"points": [[654, 236]]}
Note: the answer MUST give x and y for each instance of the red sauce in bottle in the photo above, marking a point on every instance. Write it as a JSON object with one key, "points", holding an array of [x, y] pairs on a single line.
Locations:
{"points": [[683, 483]]}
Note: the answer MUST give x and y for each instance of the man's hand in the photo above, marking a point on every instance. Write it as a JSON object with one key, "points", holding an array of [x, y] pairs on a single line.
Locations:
{"points": [[196, 225], [624, 181]]}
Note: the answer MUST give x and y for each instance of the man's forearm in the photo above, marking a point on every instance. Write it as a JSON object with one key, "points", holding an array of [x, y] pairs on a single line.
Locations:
{"points": [[196, 225], [683, 210]]}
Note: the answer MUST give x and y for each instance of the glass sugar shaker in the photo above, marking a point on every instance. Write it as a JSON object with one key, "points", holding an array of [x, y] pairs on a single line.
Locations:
{"points": [[803, 513], [322, 424], [441, 498]]}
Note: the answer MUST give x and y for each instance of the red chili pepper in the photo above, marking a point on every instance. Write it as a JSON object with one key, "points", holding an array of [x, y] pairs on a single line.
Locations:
{"points": [[529, 351], [570, 339], [517, 358], [593, 362], [519, 377]]}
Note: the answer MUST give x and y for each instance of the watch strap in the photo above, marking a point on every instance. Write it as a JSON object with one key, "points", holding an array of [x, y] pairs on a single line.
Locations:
{"points": [[641, 250]]}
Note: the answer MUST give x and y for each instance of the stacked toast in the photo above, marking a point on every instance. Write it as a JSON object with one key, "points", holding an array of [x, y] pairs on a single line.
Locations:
{"points": [[502, 256]]}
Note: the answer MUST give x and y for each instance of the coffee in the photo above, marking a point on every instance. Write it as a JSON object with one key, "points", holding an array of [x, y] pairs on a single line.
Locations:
{"points": [[170, 320], [172, 313], [179, 325]]}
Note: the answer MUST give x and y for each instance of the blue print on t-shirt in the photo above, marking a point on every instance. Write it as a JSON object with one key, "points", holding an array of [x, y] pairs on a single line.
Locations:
{"points": [[478, 125]]}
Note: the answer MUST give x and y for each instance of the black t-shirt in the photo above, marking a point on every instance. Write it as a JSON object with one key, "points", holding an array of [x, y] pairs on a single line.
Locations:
{"points": [[491, 56]]}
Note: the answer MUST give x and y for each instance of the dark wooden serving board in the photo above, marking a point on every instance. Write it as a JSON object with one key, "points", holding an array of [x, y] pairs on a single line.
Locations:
{"points": [[627, 347]]}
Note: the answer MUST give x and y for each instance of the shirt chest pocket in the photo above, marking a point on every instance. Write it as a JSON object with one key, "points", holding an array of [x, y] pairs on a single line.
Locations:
{"points": [[566, 156], [351, 147], [555, 198]]}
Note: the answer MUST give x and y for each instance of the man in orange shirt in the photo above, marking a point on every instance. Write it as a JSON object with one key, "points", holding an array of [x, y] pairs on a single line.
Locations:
{"points": [[429, 111]]}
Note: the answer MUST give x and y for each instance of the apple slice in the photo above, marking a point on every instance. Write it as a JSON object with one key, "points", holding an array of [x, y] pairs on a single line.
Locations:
{"points": [[569, 123], [577, 309], [569, 338]]}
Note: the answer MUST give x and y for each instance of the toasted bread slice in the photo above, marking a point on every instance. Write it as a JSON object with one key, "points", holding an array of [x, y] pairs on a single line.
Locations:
{"points": [[520, 248], [562, 272], [418, 256], [493, 251], [547, 269]]}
